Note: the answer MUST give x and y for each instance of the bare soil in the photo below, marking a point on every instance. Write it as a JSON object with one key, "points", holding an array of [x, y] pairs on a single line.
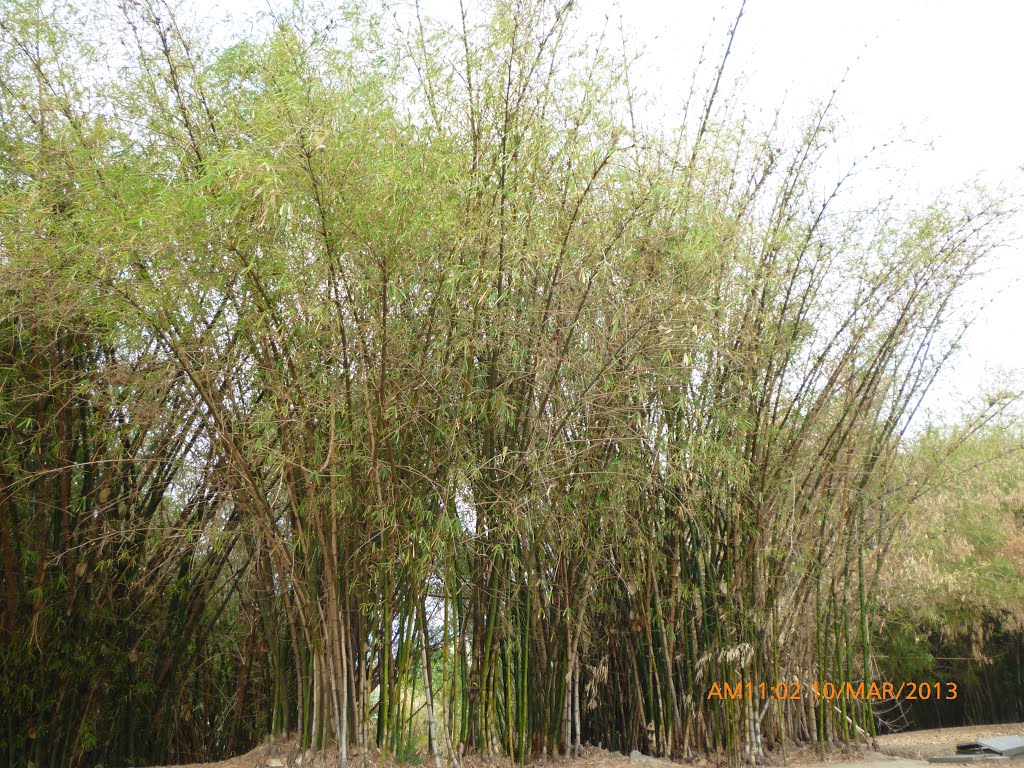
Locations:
{"points": [[264, 754], [910, 745]]}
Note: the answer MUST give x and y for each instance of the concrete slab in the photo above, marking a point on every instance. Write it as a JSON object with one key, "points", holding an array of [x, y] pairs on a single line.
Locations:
{"points": [[1008, 746]]}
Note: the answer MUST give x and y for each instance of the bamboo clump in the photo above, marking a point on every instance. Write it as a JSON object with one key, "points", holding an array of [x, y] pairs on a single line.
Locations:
{"points": [[414, 402]]}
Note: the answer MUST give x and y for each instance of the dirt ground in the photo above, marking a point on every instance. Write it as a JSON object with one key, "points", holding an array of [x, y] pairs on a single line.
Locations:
{"points": [[264, 757], [911, 745]]}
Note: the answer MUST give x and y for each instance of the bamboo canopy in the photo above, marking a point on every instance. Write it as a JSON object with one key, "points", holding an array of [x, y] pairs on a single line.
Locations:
{"points": [[394, 386]]}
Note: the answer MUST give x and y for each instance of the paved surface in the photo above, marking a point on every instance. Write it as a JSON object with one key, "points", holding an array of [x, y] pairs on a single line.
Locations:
{"points": [[878, 760]]}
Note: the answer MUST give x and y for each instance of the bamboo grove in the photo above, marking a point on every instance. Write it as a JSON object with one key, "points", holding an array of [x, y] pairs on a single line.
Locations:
{"points": [[388, 383]]}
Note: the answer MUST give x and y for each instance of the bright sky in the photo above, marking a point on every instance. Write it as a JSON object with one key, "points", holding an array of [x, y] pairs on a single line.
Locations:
{"points": [[937, 80], [941, 77]]}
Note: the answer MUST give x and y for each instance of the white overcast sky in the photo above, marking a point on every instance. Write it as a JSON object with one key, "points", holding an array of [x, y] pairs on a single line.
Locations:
{"points": [[940, 81]]}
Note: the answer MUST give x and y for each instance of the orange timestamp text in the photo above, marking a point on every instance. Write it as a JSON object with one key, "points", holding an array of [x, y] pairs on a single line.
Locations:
{"points": [[832, 691]]}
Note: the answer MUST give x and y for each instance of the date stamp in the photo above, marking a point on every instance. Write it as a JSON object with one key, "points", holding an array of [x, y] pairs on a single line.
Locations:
{"points": [[833, 691]]}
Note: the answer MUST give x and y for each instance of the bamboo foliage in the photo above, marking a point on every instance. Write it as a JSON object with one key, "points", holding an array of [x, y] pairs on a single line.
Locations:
{"points": [[490, 413]]}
